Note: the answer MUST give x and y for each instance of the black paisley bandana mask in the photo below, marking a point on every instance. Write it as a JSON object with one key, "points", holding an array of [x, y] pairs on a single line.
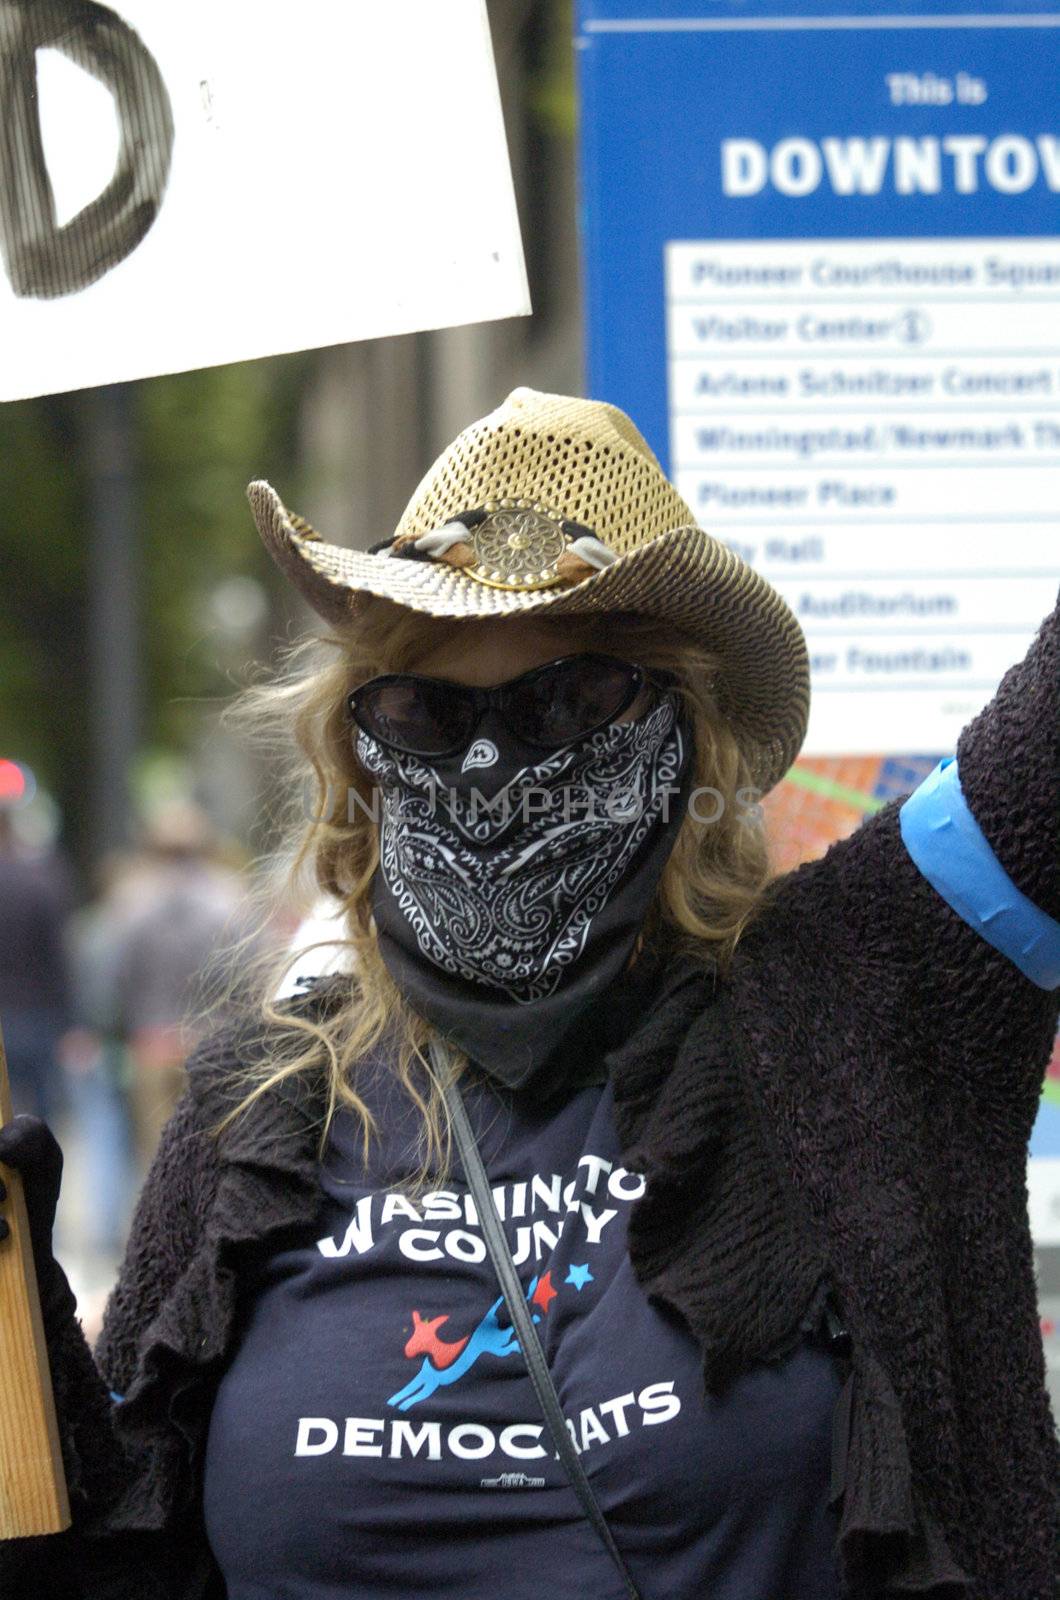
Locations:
{"points": [[511, 889]]}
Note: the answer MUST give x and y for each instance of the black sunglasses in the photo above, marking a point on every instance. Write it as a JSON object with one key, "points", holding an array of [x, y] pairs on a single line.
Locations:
{"points": [[549, 706]]}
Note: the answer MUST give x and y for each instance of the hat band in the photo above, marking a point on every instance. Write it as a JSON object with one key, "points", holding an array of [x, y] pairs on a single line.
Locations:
{"points": [[511, 544]]}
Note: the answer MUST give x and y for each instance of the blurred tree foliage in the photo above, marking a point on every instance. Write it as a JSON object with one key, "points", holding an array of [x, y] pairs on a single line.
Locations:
{"points": [[204, 436], [42, 619], [197, 440], [551, 94]]}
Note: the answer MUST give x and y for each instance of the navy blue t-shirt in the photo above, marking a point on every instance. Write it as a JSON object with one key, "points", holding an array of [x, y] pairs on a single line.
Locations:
{"points": [[376, 1433]]}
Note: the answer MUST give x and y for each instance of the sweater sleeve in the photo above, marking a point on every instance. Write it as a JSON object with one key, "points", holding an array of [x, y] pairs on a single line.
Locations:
{"points": [[80, 1562], [1009, 762], [958, 1007]]}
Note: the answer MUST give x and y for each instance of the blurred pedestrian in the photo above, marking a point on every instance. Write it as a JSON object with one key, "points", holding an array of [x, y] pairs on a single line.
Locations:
{"points": [[184, 909], [34, 982], [96, 1061]]}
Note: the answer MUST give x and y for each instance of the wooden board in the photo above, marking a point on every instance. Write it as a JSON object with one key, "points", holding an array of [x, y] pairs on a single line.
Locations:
{"points": [[33, 1497]]}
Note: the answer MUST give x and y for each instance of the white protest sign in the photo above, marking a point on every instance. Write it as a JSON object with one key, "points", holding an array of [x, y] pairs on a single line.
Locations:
{"points": [[191, 185]]}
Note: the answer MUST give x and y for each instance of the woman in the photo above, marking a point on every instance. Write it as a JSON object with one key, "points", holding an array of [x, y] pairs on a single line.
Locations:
{"points": [[757, 1148]]}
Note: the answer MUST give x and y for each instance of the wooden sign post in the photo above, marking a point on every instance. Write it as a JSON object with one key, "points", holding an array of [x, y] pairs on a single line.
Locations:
{"points": [[33, 1496]]}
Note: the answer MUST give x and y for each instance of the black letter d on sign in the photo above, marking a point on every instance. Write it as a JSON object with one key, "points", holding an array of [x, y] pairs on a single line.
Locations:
{"points": [[44, 260]]}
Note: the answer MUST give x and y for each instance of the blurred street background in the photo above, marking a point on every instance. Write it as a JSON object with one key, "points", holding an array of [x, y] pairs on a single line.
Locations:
{"points": [[138, 599]]}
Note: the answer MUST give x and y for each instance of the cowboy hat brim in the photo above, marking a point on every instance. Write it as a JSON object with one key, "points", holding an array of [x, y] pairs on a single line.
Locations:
{"points": [[683, 576]]}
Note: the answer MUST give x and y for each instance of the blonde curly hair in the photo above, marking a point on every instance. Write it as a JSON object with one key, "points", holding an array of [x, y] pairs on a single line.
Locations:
{"points": [[712, 886]]}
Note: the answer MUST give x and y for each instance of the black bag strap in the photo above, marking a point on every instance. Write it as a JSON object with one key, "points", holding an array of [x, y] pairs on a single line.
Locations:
{"points": [[840, 1344], [515, 1300]]}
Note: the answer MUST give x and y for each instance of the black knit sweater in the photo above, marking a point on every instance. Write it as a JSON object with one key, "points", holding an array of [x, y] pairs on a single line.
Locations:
{"points": [[850, 1113]]}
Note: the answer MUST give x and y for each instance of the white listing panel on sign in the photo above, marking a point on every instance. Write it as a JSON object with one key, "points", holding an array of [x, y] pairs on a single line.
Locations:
{"points": [[875, 425]]}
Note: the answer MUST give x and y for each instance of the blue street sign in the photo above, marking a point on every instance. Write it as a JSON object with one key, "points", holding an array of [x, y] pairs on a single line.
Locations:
{"points": [[744, 119], [823, 276]]}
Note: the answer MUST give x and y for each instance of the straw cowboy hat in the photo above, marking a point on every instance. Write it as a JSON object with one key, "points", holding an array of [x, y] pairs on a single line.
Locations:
{"points": [[555, 504]]}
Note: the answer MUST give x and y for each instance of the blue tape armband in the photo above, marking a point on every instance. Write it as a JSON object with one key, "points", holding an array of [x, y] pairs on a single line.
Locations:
{"points": [[951, 850], [117, 1398]]}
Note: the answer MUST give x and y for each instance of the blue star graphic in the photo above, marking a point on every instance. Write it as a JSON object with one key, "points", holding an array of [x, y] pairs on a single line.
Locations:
{"points": [[579, 1276]]}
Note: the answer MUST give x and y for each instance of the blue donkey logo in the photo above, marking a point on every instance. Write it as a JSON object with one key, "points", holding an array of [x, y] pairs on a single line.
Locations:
{"points": [[444, 1361]]}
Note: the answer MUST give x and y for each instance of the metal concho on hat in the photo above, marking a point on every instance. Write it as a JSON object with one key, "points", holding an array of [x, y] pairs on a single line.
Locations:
{"points": [[517, 545]]}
